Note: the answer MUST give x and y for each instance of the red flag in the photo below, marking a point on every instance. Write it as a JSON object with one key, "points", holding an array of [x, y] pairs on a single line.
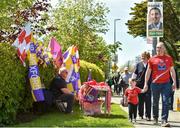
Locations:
{"points": [[22, 42]]}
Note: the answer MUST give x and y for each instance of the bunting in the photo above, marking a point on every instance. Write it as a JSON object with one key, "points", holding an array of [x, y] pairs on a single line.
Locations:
{"points": [[22, 42], [71, 62]]}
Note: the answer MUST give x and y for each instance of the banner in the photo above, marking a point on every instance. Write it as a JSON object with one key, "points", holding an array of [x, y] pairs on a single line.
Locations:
{"points": [[155, 19], [71, 62], [34, 78]]}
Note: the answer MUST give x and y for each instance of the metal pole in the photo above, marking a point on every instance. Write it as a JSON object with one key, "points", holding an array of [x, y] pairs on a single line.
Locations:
{"points": [[115, 29], [154, 39]]}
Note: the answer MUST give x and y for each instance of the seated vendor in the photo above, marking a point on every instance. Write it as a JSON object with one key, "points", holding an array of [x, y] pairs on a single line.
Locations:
{"points": [[60, 91]]}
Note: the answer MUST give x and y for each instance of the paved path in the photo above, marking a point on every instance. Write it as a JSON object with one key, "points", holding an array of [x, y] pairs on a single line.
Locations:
{"points": [[174, 116]]}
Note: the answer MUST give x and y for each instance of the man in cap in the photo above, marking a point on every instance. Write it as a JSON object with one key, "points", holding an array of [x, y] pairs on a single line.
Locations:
{"points": [[60, 91], [125, 77]]}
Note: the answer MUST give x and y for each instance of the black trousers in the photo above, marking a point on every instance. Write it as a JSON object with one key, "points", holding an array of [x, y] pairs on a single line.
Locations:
{"points": [[69, 99], [144, 100], [132, 110]]}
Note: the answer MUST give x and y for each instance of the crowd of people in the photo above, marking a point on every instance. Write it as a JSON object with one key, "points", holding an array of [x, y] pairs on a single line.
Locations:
{"points": [[151, 77]]}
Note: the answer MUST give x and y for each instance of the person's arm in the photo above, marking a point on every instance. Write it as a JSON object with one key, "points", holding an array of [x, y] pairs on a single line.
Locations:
{"points": [[173, 76], [147, 76], [66, 91]]}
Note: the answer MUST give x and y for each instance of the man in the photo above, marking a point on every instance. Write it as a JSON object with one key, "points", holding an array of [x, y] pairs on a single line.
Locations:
{"points": [[60, 90], [125, 77], [144, 98], [159, 66], [155, 16]]}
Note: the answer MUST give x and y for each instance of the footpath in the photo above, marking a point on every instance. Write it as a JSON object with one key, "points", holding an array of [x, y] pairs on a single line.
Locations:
{"points": [[174, 116]]}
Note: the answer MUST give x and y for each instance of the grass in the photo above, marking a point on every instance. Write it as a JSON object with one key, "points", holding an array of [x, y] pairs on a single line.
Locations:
{"points": [[117, 118]]}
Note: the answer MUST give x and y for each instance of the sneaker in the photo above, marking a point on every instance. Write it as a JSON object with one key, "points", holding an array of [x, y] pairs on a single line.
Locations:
{"points": [[134, 120], [155, 122], [130, 120], [140, 117], [165, 124], [60, 106], [148, 118]]}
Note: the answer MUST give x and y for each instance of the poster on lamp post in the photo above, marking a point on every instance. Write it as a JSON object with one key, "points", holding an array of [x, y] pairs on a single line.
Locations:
{"points": [[155, 19]]}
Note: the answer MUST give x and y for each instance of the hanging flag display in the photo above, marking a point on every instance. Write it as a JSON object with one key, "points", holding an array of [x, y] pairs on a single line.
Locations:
{"points": [[42, 54], [71, 62], [56, 52], [36, 86], [22, 42]]}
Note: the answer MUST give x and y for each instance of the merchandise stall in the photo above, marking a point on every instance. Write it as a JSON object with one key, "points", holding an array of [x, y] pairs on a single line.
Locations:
{"points": [[95, 98]]}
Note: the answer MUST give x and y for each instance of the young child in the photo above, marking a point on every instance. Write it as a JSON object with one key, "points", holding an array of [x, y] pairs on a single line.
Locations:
{"points": [[131, 94]]}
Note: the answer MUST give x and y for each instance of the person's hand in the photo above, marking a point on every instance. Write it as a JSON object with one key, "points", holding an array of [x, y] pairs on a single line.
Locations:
{"points": [[174, 86], [145, 88]]}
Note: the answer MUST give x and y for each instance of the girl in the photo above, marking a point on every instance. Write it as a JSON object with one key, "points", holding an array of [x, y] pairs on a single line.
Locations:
{"points": [[131, 95]]}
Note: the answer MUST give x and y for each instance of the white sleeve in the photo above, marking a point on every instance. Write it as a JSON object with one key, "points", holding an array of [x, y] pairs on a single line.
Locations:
{"points": [[133, 76]]}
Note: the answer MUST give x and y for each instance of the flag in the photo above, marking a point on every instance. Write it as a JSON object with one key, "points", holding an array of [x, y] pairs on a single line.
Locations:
{"points": [[71, 62], [56, 52], [22, 43], [89, 76], [34, 77]]}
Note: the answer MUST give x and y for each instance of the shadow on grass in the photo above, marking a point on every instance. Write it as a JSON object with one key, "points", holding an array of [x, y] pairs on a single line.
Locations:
{"points": [[111, 116]]}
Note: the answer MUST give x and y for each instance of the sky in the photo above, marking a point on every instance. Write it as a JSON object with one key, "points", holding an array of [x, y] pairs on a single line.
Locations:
{"points": [[131, 47]]}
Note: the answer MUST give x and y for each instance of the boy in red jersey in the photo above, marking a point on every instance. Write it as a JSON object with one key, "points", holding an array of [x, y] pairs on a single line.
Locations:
{"points": [[131, 94]]}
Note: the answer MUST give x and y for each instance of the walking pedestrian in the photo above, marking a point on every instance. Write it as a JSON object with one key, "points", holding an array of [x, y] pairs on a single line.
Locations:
{"points": [[144, 98], [131, 97], [159, 66], [125, 77]]}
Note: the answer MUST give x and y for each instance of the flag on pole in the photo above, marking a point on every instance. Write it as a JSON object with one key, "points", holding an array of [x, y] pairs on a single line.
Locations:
{"points": [[56, 52], [89, 75], [34, 77], [71, 62], [22, 43]]}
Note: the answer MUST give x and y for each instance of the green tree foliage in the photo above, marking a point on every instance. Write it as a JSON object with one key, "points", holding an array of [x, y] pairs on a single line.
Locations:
{"points": [[78, 23], [177, 6], [15, 13], [97, 73], [137, 25], [12, 83]]}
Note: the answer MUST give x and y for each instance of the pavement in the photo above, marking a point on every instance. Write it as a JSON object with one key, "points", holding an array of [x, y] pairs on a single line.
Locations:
{"points": [[174, 116]]}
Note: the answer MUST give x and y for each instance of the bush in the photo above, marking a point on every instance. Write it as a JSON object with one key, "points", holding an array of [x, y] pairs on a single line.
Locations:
{"points": [[97, 73], [12, 82]]}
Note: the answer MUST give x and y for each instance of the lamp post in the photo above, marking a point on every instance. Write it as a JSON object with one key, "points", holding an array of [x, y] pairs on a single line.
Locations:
{"points": [[115, 29]]}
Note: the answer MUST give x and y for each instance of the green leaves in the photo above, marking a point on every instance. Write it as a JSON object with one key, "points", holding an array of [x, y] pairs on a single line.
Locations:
{"points": [[78, 23]]}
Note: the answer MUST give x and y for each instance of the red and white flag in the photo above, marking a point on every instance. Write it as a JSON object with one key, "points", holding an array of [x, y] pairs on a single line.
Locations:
{"points": [[22, 42]]}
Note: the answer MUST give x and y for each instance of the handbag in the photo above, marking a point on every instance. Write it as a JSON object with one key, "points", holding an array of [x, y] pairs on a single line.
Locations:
{"points": [[123, 102]]}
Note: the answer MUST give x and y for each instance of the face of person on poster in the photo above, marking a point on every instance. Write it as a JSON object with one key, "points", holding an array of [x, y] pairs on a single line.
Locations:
{"points": [[154, 19]]}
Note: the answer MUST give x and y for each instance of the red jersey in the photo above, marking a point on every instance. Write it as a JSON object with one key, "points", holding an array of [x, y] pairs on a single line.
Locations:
{"points": [[132, 95], [158, 65]]}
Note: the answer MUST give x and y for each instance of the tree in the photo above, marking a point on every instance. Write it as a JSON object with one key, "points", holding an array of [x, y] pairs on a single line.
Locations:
{"points": [[137, 25], [14, 14], [78, 23]]}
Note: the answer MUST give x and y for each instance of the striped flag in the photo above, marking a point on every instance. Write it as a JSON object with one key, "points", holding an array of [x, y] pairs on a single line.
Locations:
{"points": [[22, 43], [71, 62]]}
